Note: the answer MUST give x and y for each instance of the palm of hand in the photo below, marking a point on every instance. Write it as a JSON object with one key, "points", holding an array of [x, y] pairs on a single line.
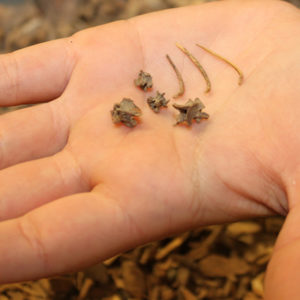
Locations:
{"points": [[134, 185], [156, 156]]}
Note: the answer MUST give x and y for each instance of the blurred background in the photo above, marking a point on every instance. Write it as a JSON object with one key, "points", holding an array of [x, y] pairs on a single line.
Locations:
{"points": [[23, 23], [216, 262], [26, 22]]}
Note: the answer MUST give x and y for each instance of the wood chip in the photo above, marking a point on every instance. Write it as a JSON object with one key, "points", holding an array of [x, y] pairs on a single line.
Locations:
{"points": [[134, 280], [239, 228], [200, 249], [111, 260], [97, 273], [182, 276], [187, 295], [166, 293], [16, 295], [257, 285], [114, 297], [175, 243], [274, 224], [220, 266], [251, 296], [85, 289], [155, 293]]}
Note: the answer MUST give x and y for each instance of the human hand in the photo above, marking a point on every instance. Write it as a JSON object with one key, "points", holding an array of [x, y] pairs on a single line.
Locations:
{"points": [[76, 189]]}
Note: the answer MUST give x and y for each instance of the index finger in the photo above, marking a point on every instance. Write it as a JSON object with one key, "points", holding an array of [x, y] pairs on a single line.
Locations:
{"points": [[37, 73]]}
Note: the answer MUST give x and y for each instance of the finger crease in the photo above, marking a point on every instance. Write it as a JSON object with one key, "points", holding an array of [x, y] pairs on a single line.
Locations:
{"points": [[135, 30], [81, 177], [10, 68], [133, 227], [31, 234], [60, 128], [1, 151], [71, 58]]}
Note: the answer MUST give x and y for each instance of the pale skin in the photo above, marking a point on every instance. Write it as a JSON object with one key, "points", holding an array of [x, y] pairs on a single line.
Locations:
{"points": [[76, 189]]}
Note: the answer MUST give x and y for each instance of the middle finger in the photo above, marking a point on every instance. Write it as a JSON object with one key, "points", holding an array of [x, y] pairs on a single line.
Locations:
{"points": [[32, 133], [32, 184]]}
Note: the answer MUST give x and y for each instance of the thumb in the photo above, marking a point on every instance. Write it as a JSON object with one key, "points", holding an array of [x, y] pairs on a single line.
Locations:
{"points": [[283, 274]]}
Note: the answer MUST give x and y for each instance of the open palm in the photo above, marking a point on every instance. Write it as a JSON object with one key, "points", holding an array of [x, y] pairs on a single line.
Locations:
{"points": [[76, 189]]}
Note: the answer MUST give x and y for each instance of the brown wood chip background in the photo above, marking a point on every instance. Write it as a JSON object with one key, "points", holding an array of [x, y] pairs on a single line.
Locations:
{"points": [[215, 262]]}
